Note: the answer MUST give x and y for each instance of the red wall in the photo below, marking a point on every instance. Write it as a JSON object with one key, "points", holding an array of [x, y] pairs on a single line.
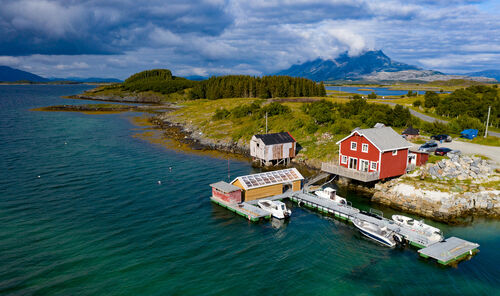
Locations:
{"points": [[233, 197], [422, 158], [393, 165], [345, 149]]}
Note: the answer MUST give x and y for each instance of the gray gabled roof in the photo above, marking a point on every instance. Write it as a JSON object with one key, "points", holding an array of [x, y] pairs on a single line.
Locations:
{"points": [[276, 138], [384, 138], [225, 187]]}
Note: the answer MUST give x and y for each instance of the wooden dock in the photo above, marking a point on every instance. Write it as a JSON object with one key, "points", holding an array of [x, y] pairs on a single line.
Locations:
{"points": [[244, 209], [450, 250]]}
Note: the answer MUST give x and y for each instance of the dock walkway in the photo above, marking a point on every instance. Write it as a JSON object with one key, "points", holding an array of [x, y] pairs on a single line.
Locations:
{"points": [[445, 252], [244, 209], [449, 250]]}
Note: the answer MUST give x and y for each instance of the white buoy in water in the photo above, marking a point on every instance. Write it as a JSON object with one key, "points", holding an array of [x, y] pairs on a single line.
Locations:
{"points": [[159, 182], [170, 168], [38, 176], [65, 143]]}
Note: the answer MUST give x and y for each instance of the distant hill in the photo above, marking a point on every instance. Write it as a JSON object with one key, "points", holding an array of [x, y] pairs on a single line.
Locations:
{"points": [[345, 67], [8, 74], [486, 73]]}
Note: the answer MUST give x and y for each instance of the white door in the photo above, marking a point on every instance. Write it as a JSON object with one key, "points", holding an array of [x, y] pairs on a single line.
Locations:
{"points": [[364, 165], [412, 159], [353, 163]]}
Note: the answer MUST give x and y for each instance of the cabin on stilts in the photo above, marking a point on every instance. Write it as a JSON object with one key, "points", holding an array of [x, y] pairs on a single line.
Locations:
{"points": [[273, 149]]}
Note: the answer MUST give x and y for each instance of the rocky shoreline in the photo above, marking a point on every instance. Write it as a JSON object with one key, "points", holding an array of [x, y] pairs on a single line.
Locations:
{"points": [[397, 193]]}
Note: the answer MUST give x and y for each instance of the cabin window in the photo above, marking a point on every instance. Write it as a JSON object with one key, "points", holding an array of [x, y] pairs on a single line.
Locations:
{"points": [[354, 146], [257, 144], [364, 148], [344, 159], [395, 152], [374, 165]]}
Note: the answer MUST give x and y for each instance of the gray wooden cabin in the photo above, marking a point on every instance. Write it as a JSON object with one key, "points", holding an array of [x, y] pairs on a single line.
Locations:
{"points": [[273, 149]]}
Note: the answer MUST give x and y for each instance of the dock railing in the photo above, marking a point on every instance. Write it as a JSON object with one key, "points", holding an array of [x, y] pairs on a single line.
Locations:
{"points": [[349, 173]]}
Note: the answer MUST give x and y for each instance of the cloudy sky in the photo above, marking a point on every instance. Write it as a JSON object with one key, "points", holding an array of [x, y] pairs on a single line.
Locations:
{"points": [[115, 38]]}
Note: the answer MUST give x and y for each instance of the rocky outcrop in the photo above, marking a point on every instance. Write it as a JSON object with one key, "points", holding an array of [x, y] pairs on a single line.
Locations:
{"points": [[459, 167], [437, 205]]}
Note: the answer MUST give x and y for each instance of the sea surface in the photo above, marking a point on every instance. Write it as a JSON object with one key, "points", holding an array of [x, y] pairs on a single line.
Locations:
{"points": [[82, 213]]}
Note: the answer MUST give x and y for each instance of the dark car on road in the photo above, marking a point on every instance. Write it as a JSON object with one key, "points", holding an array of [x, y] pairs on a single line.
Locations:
{"points": [[442, 151], [442, 137]]}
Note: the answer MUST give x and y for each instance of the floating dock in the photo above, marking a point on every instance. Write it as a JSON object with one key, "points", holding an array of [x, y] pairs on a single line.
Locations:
{"points": [[450, 250], [445, 252], [251, 212]]}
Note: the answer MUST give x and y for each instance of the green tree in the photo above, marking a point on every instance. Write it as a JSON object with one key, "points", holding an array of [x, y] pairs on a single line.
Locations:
{"points": [[372, 95], [417, 103], [431, 99]]}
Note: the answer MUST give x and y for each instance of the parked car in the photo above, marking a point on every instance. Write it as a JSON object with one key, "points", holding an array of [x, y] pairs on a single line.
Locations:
{"points": [[428, 147], [442, 137], [442, 151]]}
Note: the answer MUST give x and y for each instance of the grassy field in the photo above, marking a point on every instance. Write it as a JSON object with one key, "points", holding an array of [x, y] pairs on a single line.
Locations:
{"points": [[319, 145]]}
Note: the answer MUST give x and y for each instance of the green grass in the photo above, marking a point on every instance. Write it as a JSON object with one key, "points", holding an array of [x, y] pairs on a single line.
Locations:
{"points": [[489, 141], [319, 146]]}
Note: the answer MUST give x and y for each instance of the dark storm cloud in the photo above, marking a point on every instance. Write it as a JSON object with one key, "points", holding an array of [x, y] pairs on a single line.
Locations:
{"points": [[98, 27], [117, 38]]}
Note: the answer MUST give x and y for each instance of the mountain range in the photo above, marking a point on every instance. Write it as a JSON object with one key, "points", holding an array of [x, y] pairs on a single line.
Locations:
{"points": [[8, 74], [374, 65]]}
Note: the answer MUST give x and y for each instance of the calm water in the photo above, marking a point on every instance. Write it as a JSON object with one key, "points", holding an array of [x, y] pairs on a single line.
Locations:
{"points": [[380, 91], [96, 222]]}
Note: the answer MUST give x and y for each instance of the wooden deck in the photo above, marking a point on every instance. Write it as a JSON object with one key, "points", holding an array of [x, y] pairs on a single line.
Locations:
{"points": [[244, 209], [349, 173]]}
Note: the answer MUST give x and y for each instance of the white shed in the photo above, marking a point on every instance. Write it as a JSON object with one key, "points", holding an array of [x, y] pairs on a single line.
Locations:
{"points": [[277, 148]]}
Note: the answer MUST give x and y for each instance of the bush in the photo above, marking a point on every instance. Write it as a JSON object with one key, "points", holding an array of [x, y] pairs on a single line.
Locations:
{"points": [[372, 95], [431, 99], [320, 111], [417, 103], [275, 108], [221, 114], [435, 128], [311, 128], [456, 125]]}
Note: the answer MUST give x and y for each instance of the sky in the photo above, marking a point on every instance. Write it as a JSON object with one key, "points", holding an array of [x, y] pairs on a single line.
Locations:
{"points": [[116, 38]]}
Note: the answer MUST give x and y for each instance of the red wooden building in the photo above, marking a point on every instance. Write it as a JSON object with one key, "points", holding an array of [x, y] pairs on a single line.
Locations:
{"points": [[226, 192], [380, 151]]}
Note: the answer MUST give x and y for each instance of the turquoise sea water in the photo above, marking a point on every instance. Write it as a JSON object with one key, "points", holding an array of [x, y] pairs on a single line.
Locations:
{"points": [[96, 222]]}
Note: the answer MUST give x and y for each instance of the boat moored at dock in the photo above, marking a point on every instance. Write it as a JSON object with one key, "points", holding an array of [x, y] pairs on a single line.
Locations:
{"points": [[277, 209], [377, 233], [433, 234], [330, 193]]}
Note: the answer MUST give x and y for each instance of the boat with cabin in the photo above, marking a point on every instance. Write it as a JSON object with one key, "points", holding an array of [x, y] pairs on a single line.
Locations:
{"points": [[379, 234], [331, 194], [277, 209], [433, 234]]}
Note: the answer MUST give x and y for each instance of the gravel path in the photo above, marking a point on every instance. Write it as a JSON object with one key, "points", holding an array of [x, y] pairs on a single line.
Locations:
{"points": [[491, 152], [432, 119]]}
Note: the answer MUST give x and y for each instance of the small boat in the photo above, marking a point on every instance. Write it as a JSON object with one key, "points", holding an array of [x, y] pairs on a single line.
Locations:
{"points": [[330, 193], [432, 233], [379, 234], [276, 208]]}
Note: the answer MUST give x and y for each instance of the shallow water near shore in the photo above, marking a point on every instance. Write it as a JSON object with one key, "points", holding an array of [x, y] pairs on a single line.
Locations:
{"points": [[96, 221]]}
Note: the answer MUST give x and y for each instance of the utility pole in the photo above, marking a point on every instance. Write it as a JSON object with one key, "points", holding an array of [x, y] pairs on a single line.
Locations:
{"points": [[266, 122], [487, 122]]}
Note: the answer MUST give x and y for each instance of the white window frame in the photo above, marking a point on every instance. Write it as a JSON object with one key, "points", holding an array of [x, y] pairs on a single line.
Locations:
{"points": [[343, 159], [373, 163], [394, 152], [363, 146], [355, 146]]}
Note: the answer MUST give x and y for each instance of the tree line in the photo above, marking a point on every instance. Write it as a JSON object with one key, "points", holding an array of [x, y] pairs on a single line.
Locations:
{"points": [[157, 80], [472, 102], [244, 86]]}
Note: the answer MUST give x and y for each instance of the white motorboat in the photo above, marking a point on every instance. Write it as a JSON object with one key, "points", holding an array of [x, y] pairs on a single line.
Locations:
{"points": [[330, 193], [433, 234], [277, 208], [379, 234]]}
